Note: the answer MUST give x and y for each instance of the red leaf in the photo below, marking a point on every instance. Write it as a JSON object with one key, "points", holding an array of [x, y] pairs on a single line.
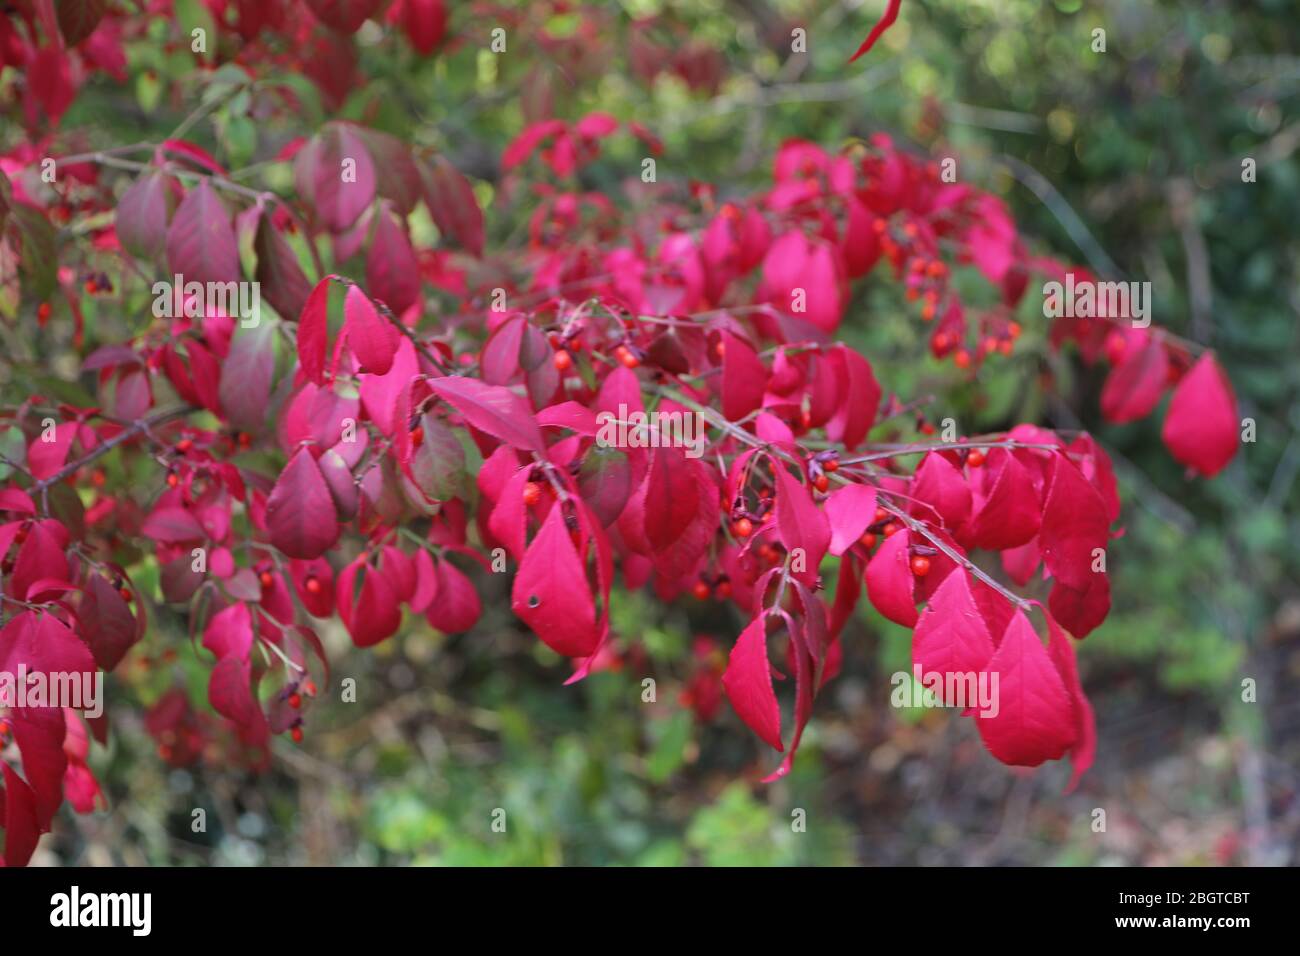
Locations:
{"points": [[743, 377], [246, 375], [856, 412], [346, 16], [1085, 744], [78, 18], [951, 636], [551, 593], [456, 607], [392, 273], [671, 497], [801, 524], [45, 458], [493, 409], [884, 23], [748, 683], [850, 509], [230, 694], [201, 245], [1074, 525], [300, 512], [890, 580], [313, 332], [1009, 516], [172, 524], [1201, 426], [940, 489], [452, 204], [372, 615], [343, 177], [142, 213], [1135, 385], [1035, 714], [371, 336], [22, 830], [107, 623]]}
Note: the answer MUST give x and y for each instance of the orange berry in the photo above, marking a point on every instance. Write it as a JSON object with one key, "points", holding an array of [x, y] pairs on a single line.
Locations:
{"points": [[961, 359], [742, 527], [975, 458], [920, 565], [1013, 330], [532, 493], [1005, 347], [310, 687], [173, 479], [821, 482], [626, 357], [927, 312]]}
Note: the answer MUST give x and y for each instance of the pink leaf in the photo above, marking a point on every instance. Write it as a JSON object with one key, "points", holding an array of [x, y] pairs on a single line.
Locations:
{"points": [[951, 636], [551, 593], [201, 245], [493, 409], [300, 512], [371, 336], [1035, 715], [850, 509], [890, 581], [748, 683], [1201, 426], [800, 524]]}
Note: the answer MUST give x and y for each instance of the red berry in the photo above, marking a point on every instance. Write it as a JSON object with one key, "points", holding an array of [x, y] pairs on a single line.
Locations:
{"points": [[295, 701], [868, 540], [266, 577], [891, 528], [920, 565], [723, 590], [563, 360], [43, 312], [626, 357], [701, 591], [881, 514], [821, 482], [742, 527], [532, 493], [831, 465], [310, 687], [312, 585], [21, 536], [184, 445], [173, 479], [126, 594], [961, 359], [417, 436], [975, 458], [296, 734]]}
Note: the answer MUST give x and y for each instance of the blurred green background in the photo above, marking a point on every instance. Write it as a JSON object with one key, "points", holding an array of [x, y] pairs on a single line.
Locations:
{"points": [[1127, 161]]}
